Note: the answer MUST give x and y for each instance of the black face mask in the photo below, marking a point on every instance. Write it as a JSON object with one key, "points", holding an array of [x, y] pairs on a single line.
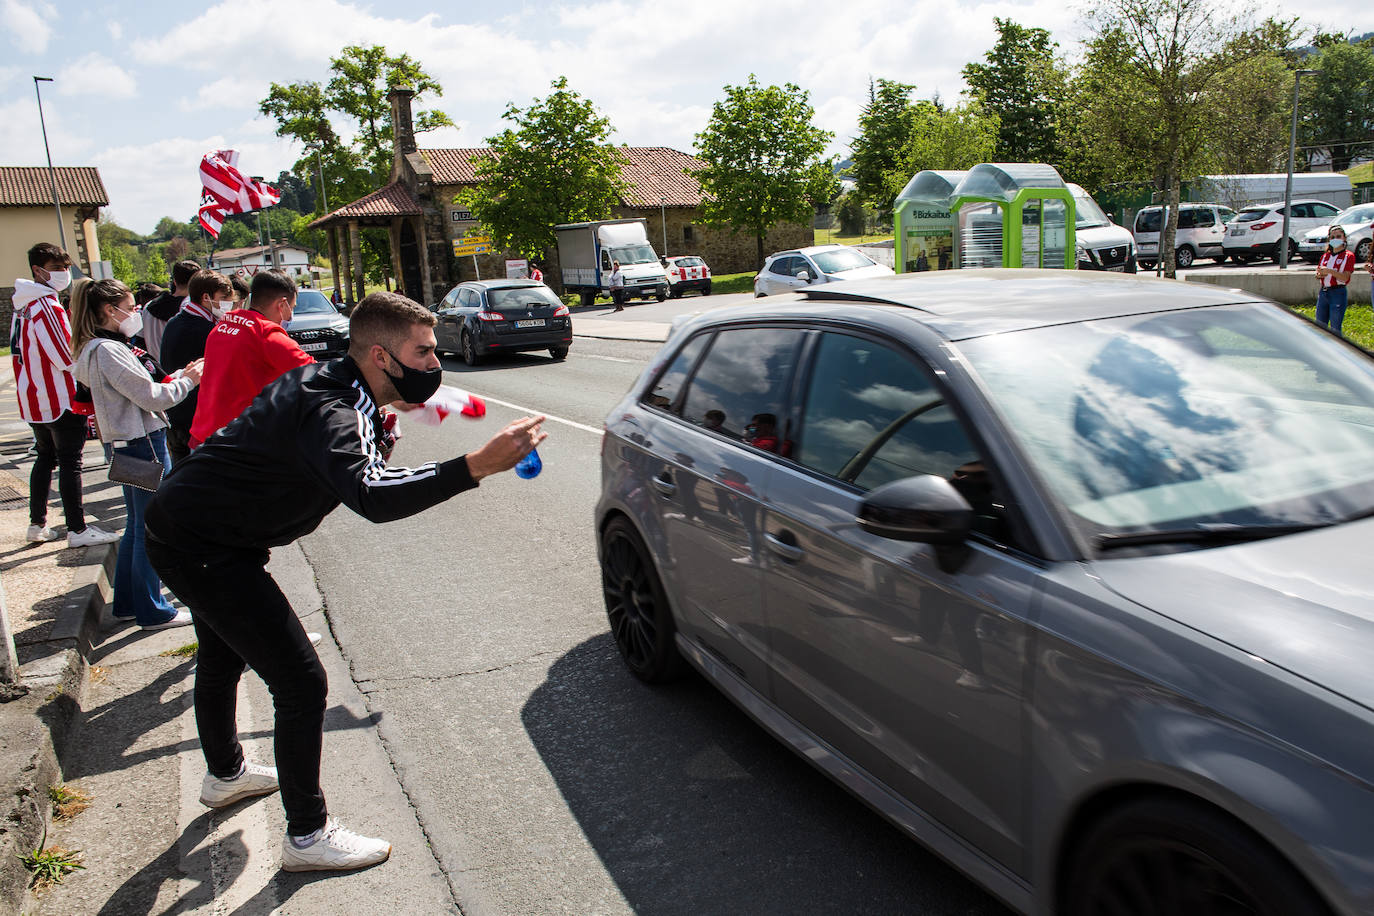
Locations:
{"points": [[415, 386]]}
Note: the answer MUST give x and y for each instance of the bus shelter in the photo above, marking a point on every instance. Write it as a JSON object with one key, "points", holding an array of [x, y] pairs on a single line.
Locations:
{"points": [[923, 224], [1018, 214]]}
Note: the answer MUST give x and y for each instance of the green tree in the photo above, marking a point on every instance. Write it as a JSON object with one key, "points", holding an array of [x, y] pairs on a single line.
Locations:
{"points": [[555, 165], [948, 138], [885, 128], [1336, 111], [1167, 57], [1022, 84], [1251, 105], [122, 263], [763, 160]]}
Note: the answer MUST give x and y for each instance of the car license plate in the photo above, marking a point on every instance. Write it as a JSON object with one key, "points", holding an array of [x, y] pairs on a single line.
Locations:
{"points": [[530, 323], [317, 345], [1147, 246]]}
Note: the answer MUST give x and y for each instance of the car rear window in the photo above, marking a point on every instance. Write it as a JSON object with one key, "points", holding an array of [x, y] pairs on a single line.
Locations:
{"points": [[1148, 220], [1249, 216]]}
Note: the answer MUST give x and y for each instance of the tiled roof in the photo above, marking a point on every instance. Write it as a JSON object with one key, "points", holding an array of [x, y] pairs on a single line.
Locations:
{"points": [[30, 186], [230, 254], [650, 173], [392, 200]]}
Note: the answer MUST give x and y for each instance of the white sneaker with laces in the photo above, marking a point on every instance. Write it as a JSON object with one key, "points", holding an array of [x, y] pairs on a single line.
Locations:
{"points": [[335, 849], [254, 780], [179, 619], [92, 536], [40, 534]]}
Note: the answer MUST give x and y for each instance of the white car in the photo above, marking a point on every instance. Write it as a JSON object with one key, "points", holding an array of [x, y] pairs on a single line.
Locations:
{"points": [[791, 270], [1358, 223], [1255, 231]]}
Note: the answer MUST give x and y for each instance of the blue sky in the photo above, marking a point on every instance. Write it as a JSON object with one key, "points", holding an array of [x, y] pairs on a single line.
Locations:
{"points": [[143, 89]]}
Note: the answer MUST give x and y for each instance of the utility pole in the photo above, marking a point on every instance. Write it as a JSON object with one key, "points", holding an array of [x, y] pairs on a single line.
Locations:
{"points": [[52, 175], [1292, 151], [663, 218]]}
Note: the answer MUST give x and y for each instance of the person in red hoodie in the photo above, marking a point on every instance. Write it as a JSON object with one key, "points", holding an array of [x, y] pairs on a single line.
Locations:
{"points": [[246, 351]]}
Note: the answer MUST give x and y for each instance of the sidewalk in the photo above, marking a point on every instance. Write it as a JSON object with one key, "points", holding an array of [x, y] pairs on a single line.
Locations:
{"points": [[109, 713], [616, 328]]}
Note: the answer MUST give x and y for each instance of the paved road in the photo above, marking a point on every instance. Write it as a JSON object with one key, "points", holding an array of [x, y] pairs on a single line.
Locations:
{"points": [[547, 779]]}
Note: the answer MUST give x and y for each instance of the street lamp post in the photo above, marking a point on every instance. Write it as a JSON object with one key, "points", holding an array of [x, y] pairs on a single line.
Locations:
{"points": [[663, 218], [52, 175], [1292, 154]]}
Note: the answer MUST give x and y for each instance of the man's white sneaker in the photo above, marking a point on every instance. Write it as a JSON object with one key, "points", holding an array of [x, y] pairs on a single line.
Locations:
{"points": [[92, 536], [40, 534], [335, 849], [314, 638], [254, 780], [179, 619]]}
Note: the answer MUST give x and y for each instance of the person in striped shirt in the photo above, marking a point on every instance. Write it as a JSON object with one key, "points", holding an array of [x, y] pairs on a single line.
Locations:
{"points": [[41, 350]]}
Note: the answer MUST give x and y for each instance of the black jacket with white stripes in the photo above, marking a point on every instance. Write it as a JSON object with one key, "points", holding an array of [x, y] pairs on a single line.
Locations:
{"points": [[309, 441]]}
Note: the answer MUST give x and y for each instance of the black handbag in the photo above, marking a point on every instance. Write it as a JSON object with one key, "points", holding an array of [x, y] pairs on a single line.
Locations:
{"points": [[135, 472]]}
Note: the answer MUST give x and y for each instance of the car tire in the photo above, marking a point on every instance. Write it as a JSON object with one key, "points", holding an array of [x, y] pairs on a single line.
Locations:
{"points": [[470, 354], [661, 294], [1183, 257], [558, 353], [1191, 858], [674, 293], [706, 290], [1241, 259], [1220, 259], [588, 297], [637, 606], [1362, 251]]}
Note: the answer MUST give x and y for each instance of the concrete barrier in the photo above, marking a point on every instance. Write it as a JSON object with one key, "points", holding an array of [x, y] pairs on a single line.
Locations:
{"points": [[1295, 286]]}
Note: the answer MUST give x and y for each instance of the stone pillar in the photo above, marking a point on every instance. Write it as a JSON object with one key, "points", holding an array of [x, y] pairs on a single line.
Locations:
{"points": [[427, 295], [334, 256], [355, 242], [393, 237], [347, 258]]}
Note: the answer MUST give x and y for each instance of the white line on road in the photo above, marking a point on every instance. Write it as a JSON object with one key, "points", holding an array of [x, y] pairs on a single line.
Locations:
{"points": [[612, 359], [532, 412]]}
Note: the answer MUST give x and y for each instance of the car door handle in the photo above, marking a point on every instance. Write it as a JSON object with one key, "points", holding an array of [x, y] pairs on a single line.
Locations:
{"points": [[663, 483], [784, 545]]}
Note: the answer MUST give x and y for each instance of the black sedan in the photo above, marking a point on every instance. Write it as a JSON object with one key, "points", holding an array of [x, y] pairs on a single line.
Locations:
{"points": [[502, 316], [317, 326]]}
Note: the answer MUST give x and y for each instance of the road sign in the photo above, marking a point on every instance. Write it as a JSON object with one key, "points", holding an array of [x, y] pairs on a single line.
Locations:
{"points": [[472, 244]]}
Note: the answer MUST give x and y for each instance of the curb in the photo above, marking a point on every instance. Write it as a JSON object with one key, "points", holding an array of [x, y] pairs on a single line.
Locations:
{"points": [[58, 683]]}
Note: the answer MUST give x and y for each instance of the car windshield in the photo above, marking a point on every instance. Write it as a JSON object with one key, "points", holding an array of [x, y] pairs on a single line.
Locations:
{"points": [[1249, 216], [1148, 220], [1239, 415], [1087, 214], [508, 297], [312, 302], [838, 260], [634, 254], [1355, 215]]}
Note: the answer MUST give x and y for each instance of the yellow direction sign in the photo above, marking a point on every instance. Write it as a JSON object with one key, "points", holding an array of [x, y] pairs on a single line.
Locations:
{"points": [[472, 244]]}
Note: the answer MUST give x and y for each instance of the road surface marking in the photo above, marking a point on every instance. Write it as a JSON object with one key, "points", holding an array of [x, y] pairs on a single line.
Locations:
{"points": [[613, 359], [532, 412]]}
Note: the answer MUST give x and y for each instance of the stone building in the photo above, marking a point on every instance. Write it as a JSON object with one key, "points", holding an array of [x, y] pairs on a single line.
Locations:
{"points": [[27, 216], [417, 208]]}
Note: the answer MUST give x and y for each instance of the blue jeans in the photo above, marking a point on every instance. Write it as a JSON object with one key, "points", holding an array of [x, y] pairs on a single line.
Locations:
{"points": [[1331, 302], [137, 589]]}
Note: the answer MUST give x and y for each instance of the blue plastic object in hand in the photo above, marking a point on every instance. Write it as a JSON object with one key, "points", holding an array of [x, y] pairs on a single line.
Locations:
{"points": [[529, 466]]}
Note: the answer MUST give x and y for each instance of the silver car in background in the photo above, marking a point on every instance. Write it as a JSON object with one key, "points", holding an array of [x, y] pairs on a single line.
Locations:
{"points": [[1065, 573], [1358, 223], [788, 271]]}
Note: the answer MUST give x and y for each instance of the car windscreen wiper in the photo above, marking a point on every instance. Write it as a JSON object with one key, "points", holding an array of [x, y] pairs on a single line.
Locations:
{"points": [[1212, 533]]}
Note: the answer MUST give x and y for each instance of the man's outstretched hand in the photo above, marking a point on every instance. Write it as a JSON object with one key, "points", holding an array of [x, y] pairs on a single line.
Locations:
{"points": [[504, 450]]}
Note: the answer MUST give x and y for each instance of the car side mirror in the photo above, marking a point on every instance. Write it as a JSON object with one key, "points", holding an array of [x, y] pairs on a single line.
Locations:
{"points": [[804, 275], [926, 510]]}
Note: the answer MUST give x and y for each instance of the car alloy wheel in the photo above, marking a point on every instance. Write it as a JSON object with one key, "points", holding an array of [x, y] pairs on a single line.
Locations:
{"points": [[1183, 258], [637, 607], [470, 350], [1157, 856], [1362, 251]]}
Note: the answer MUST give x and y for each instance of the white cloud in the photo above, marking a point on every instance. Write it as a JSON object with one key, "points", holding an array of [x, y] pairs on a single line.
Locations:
{"points": [[116, 29], [96, 76], [21, 142], [27, 24]]}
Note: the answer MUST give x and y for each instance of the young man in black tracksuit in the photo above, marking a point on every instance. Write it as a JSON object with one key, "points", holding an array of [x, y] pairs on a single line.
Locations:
{"points": [[209, 296], [312, 439], [164, 308]]}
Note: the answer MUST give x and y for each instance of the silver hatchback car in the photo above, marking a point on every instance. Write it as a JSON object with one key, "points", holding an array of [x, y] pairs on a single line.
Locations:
{"points": [[1066, 574]]}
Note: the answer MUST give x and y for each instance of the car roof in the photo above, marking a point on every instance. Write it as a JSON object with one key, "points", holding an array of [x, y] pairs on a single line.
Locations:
{"points": [[501, 283], [1278, 203], [963, 304]]}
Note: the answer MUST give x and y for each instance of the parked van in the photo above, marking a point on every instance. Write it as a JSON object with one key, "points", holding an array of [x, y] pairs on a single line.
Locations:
{"points": [[1201, 233], [1101, 243]]}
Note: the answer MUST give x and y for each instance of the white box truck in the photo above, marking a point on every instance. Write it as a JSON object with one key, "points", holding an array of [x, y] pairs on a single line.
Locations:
{"points": [[1240, 191], [586, 251]]}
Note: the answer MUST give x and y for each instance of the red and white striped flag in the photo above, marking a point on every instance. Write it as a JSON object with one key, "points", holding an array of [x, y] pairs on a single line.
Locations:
{"points": [[227, 190]]}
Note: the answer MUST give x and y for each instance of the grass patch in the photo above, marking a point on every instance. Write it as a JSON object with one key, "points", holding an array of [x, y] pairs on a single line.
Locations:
{"points": [[185, 651], [1358, 326], [67, 802], [733, 283], [829, 237], [50, 864]]}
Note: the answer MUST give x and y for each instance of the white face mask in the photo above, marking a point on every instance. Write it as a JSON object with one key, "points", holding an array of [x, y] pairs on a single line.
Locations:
{"points": [[132, 324], [221, 307], [1337, 243], [59, 280]]}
